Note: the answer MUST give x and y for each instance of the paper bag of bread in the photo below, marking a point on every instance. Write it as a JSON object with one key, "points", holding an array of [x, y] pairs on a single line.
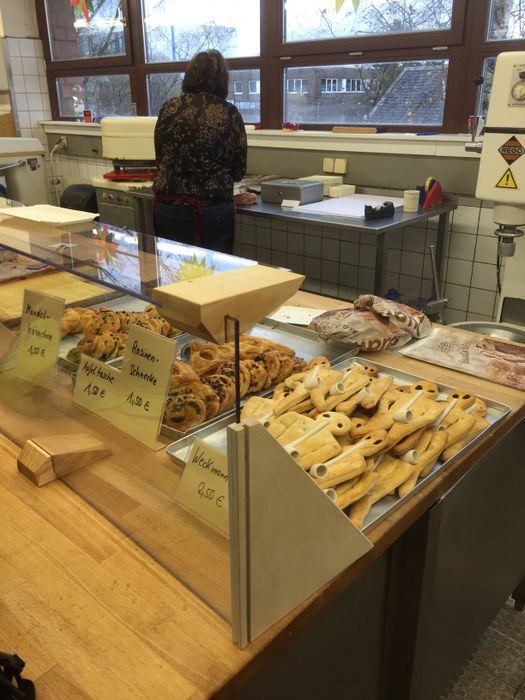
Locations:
{"points": [[404, 317], [366, 329]]}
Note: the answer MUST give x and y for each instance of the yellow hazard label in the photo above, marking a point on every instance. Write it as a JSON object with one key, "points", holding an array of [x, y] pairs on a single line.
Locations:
{"points": [[507, 181]]}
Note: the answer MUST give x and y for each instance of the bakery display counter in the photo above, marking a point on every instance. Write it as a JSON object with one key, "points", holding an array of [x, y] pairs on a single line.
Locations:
{"points": [[196, 579]]}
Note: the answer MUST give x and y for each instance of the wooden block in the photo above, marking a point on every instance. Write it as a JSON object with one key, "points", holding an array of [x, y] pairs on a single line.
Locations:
{"points": [[249, 294], [354, 130], [45, 459], [7, 124]]}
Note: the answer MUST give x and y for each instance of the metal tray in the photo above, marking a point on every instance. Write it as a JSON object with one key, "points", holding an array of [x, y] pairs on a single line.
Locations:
{"points": [[216, 434], [304, 341], [119, 303]]}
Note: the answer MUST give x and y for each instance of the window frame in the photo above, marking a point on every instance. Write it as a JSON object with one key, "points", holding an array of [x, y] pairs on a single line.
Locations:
{"points": [[465, 46]]}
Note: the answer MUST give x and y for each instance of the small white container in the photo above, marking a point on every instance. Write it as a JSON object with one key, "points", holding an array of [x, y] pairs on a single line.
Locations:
{"points": [[410, 201]]}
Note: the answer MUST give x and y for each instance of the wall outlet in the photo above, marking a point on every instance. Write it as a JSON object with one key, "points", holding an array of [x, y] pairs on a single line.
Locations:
{"points": [[61, 143], [340, 165], [328, 165]]}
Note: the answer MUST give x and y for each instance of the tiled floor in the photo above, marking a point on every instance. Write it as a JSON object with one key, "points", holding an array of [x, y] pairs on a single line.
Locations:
{"points": [[496, 669]]}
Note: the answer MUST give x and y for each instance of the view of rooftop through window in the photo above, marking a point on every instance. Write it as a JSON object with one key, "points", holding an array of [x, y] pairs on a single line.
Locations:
{"points": [[381, 93]]}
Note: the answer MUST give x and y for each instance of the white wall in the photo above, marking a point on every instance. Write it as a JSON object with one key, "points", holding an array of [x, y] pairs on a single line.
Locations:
{"points": [[25, 66]]}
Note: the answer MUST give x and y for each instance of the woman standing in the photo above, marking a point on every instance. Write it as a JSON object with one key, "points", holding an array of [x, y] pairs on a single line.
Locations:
{"points": [[200, 146]]}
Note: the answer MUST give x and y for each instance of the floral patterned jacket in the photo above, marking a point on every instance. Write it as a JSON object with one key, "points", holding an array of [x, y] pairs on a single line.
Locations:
{"points": [[200, 146]]}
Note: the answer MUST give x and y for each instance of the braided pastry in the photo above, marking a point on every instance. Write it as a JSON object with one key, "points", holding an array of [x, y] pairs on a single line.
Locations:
{"points": [[250, 345], [181, 373], [205, 357]]}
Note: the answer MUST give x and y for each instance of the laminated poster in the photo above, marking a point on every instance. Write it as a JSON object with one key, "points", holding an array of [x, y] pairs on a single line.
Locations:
{"points": [[485, 357]]}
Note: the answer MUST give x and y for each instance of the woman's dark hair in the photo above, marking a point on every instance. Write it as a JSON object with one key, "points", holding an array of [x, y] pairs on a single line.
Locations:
{"points": [[207, 72]]}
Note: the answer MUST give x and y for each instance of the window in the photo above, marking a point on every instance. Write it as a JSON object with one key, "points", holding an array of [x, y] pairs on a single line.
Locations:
{"points": [[309, 20], [175, 30], [507, 20], [297, 86], [72, 37], [105, 95], [396, 64], [249, 107], [162, 87], [401, 93]]}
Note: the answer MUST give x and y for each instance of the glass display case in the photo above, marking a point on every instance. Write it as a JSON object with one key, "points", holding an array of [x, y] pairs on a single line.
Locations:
{"points": [[299, 543]]}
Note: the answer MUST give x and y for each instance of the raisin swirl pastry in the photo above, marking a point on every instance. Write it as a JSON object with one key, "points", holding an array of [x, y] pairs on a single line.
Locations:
{"points": [[184, 409], [228, 368], [258, 375], [224, 387]]}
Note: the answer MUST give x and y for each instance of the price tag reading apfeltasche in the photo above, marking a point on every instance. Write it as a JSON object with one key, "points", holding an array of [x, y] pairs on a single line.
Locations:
{"points": [[96, 387], [204, 485], [39, 337], [143, 382]]}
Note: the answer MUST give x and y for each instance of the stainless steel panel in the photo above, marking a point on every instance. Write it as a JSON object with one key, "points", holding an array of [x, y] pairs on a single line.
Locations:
{"points": [[474, 559]]}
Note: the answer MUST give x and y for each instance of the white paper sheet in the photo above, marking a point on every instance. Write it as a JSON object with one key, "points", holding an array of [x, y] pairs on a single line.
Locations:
{"points": [[353, 205], [299, 315]]}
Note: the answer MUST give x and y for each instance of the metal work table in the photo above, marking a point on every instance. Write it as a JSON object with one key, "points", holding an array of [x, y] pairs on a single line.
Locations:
{"points": [[377, 228]]}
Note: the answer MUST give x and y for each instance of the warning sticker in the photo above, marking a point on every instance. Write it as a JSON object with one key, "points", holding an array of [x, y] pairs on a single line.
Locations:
{"points": [[507, 181], [511, 150]]}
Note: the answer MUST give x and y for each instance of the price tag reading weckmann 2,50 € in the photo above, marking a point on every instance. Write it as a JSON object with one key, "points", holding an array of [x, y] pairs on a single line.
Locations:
{"points": [[204, 484], [39, 337]]}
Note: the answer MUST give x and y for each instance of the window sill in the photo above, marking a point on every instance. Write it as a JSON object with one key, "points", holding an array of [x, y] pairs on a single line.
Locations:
{"points": [[440, 145], [80, 128]]}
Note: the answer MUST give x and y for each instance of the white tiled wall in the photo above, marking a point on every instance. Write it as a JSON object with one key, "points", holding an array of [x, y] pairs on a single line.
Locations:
{"points": [[70, 170], [30, 96]]}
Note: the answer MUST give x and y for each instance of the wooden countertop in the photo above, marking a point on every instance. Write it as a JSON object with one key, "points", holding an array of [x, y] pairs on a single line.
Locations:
{"points": [[94, 616]]}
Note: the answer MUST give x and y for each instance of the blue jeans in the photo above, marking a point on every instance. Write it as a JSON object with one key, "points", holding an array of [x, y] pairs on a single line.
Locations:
{"points": [[176, 222]]}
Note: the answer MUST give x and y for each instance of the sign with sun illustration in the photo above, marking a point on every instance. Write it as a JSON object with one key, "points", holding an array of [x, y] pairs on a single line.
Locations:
{"points": [[190, 268]]}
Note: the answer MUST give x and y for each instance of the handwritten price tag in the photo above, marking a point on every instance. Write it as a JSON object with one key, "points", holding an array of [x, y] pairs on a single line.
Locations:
{"points": [[204, 484], [39, 338], [95, 387], [143, 383]]}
